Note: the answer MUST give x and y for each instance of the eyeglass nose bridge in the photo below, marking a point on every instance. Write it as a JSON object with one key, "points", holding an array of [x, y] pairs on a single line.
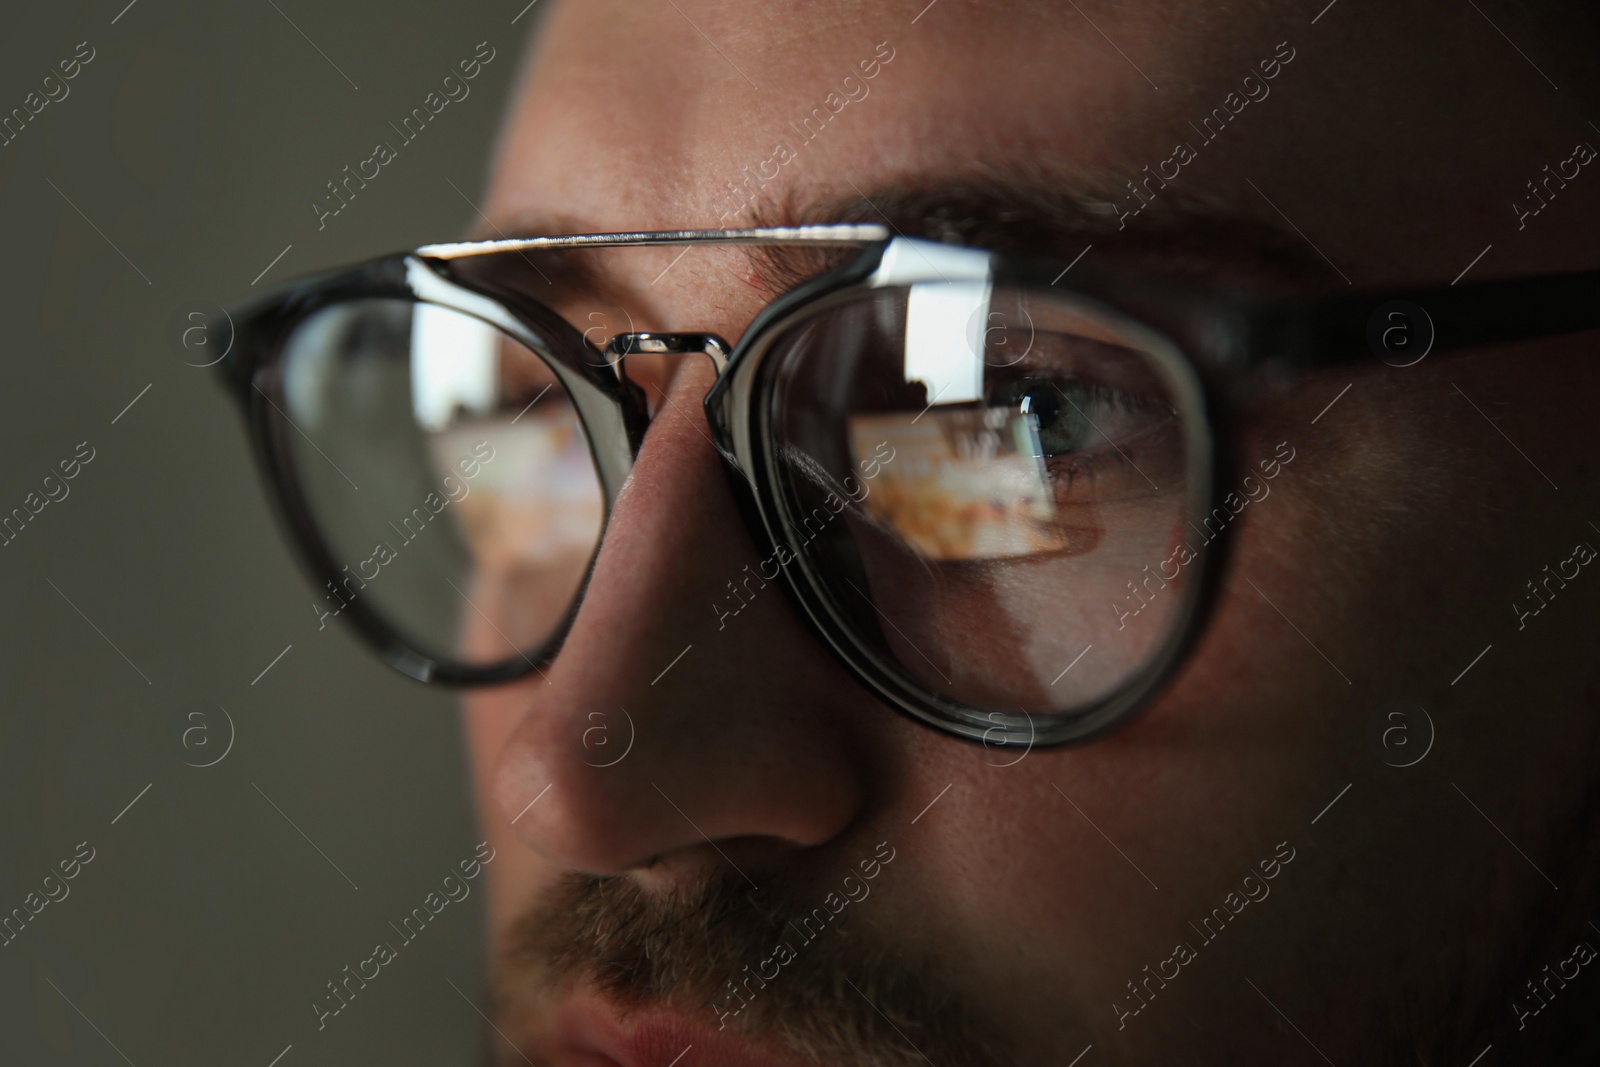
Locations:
{"points": [[674, 344]]}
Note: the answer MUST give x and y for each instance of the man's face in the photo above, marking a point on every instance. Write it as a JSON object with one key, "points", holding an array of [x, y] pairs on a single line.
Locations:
{"points": [[787, 867]]}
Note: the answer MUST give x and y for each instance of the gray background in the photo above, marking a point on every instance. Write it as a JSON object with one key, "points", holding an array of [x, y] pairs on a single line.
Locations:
{"points": [[192, 146]]}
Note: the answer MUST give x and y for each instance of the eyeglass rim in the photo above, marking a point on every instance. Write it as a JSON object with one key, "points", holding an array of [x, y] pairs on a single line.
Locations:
{"points": [[252, 369], [749, 399]]}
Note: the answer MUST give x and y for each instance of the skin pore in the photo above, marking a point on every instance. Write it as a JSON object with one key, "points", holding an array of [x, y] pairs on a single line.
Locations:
{"points": [[1021, 910]]}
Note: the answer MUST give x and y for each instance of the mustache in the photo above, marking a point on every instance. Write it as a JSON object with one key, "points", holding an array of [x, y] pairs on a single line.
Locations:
{"points": [[842, 996]]}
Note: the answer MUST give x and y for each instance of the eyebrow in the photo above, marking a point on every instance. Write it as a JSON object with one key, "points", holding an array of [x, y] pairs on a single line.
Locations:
{"points": [[1035, 214], [1039, 214]]}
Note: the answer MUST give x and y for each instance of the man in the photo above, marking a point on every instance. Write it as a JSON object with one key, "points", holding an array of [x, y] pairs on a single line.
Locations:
{"points": [[1356, 826]]}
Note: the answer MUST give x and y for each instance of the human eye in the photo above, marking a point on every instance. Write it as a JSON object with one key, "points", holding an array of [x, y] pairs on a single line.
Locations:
{"points": [[1097, 419]]}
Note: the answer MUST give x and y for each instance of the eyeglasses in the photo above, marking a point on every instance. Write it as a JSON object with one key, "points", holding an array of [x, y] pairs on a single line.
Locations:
{"points": [[998, 494]]}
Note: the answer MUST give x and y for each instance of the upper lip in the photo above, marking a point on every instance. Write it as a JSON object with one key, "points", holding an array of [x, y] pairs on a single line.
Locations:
{"points": [[595, 1030]]}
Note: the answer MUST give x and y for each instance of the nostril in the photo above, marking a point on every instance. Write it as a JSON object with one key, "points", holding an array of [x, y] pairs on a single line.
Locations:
{"points": [[563, 817], [528, 807], [519, 784], [581, 813]]}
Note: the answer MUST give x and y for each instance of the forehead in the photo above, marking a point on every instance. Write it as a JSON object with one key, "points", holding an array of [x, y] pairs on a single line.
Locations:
{"points": [[673, 113], [665, 114]]}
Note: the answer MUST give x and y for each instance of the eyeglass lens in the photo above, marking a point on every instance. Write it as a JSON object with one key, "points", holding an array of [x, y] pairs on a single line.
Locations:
{"points": [[989, 484], [447, 473]]}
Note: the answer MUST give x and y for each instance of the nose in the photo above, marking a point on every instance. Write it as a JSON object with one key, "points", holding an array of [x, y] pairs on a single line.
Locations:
{"points": [[675, 720]]}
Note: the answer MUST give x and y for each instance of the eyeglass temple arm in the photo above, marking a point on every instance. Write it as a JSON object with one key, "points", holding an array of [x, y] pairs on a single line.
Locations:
{"points": [[1340, 329]]}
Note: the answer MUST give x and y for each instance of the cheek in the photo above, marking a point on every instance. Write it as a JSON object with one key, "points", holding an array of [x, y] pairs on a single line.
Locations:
{"points": [[1005, 873], [517, 874]]}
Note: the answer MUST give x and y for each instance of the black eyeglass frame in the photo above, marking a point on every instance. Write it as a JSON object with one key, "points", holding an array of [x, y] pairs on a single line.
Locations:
{"points": [[1209, 340]]}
